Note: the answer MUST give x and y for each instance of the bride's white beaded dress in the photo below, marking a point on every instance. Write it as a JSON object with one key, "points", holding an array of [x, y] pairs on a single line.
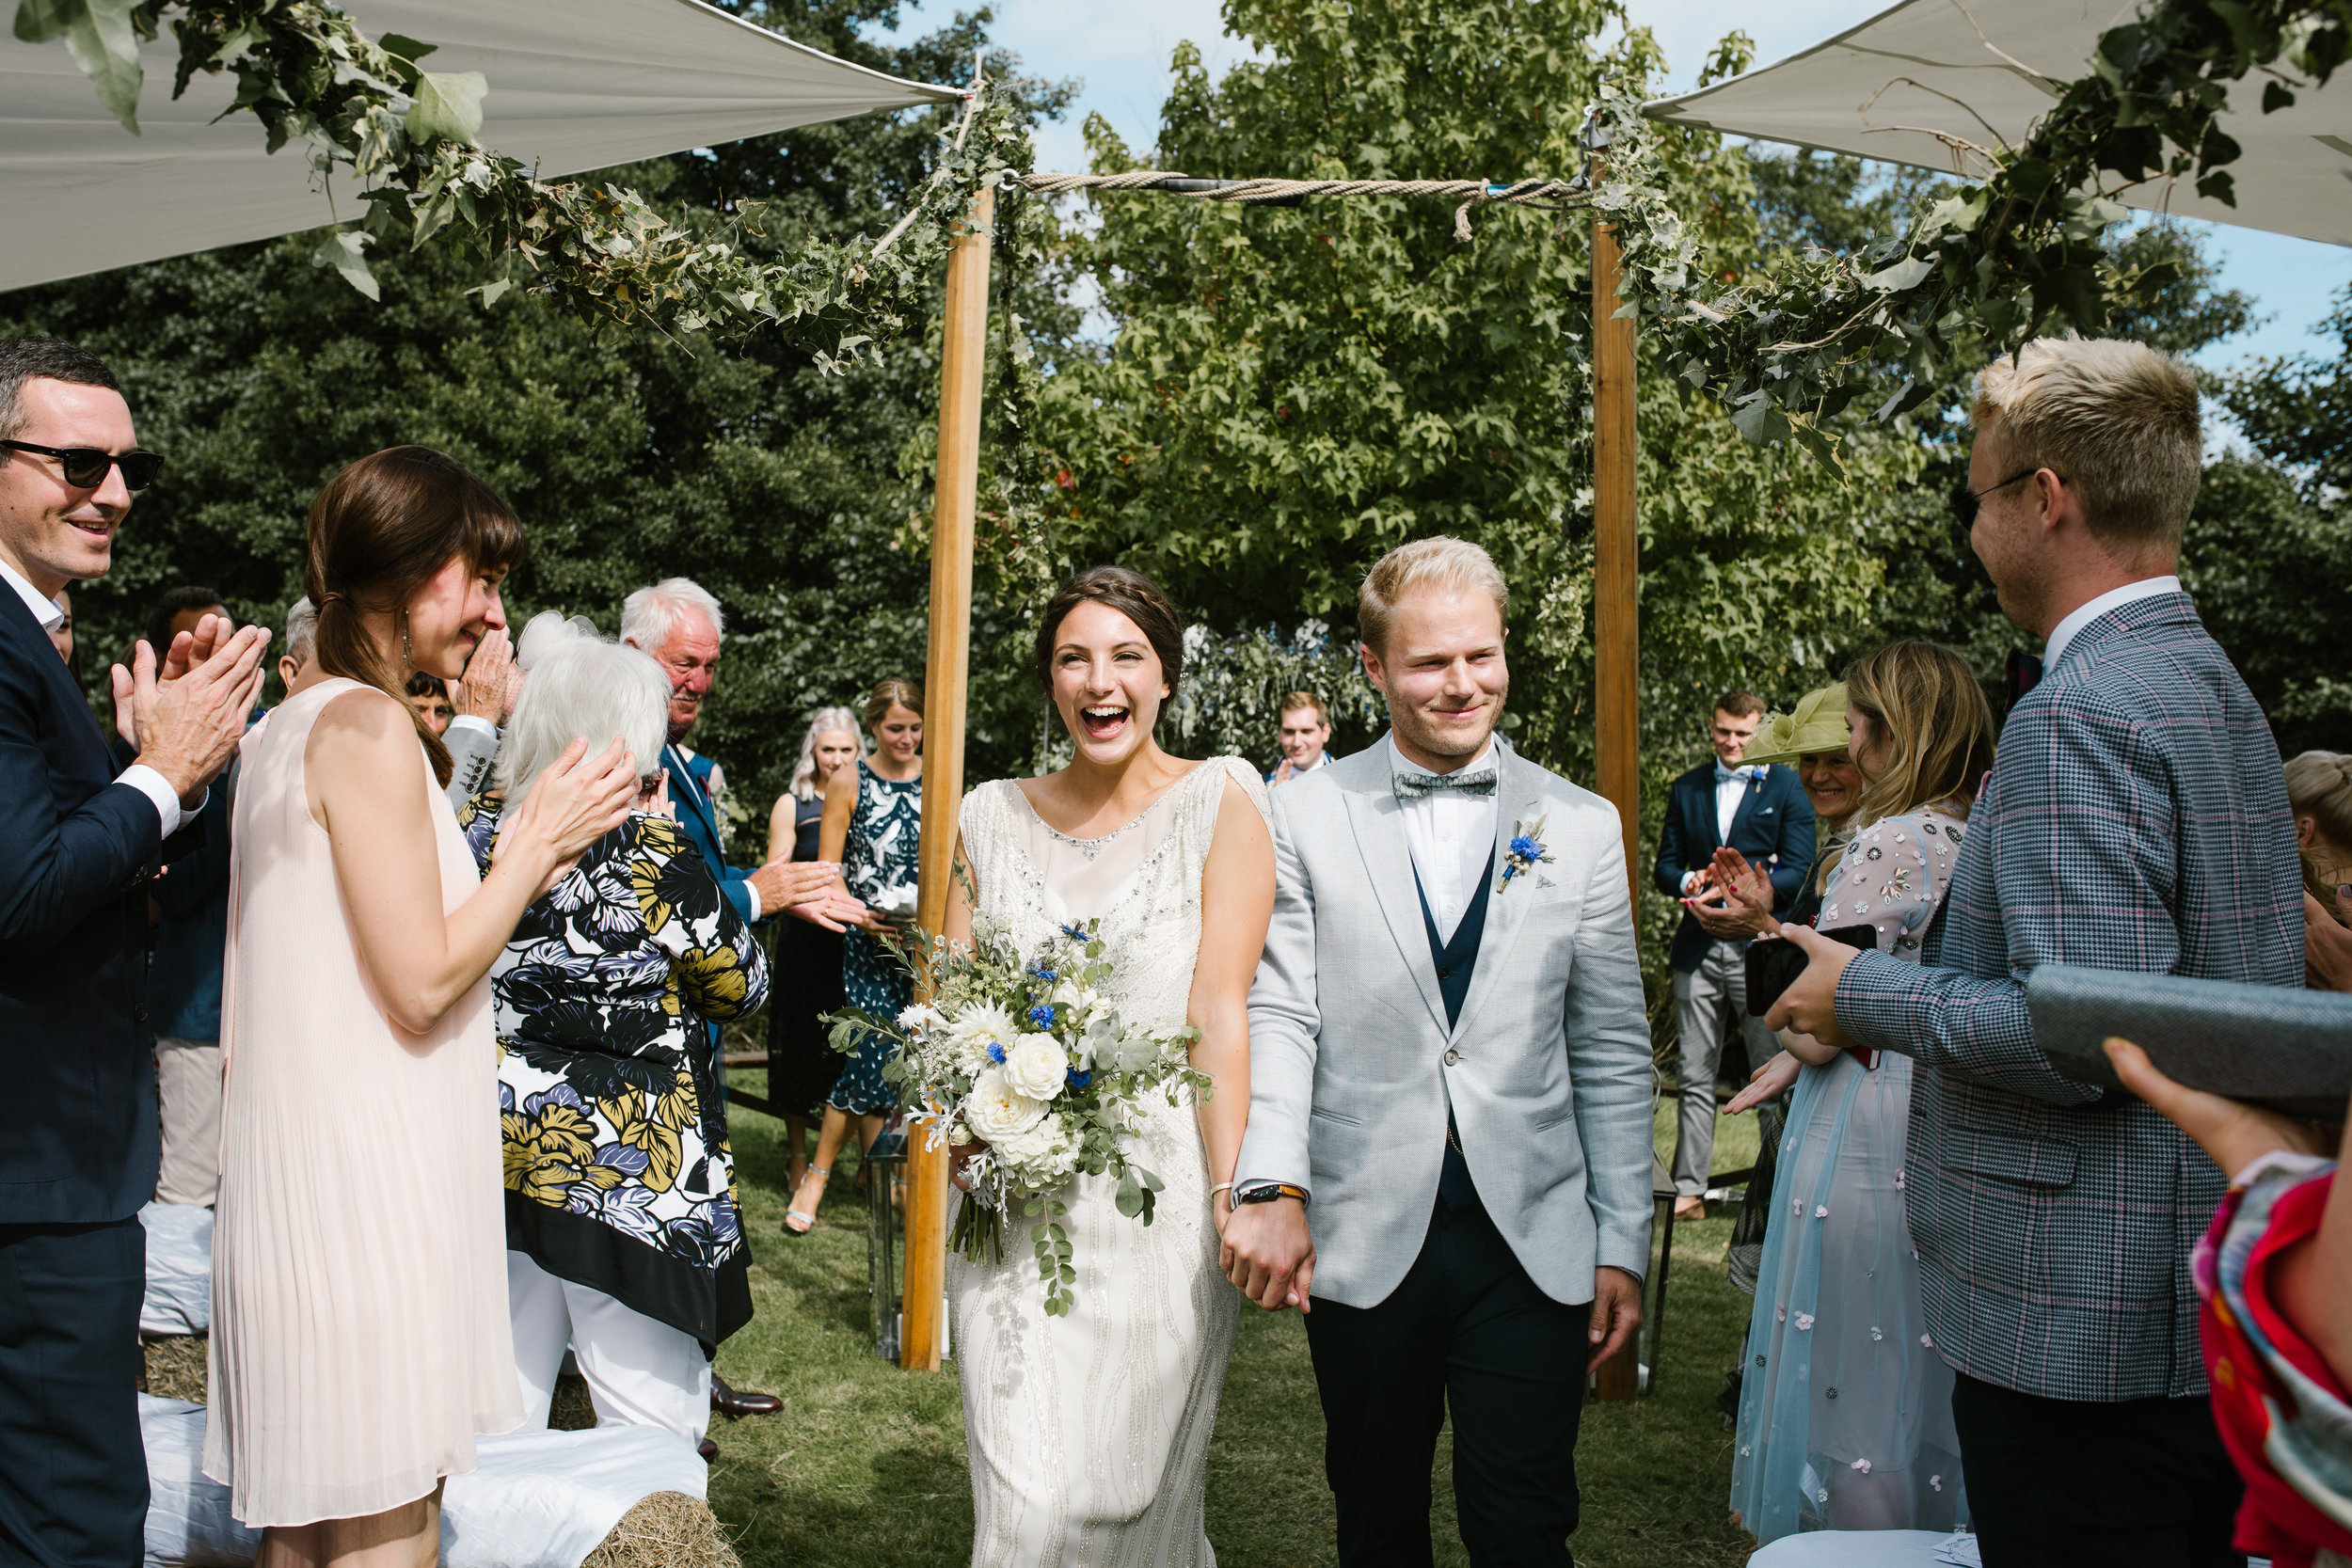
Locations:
{"points": [[1089, 1434]]}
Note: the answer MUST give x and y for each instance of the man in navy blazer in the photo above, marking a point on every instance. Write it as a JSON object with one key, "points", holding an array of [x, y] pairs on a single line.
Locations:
{"points": [[78, 1121], [2135, 820], [1762, 813]]}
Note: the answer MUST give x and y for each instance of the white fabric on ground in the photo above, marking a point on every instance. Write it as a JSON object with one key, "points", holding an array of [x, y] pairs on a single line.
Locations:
{"points": [[1859, 1548], [574, 85], [639, 1372], [1880, 90], [178, 1269], [540, 1499]]}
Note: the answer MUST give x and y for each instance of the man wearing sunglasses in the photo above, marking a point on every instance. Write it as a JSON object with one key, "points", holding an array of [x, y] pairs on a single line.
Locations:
{"points": [[77, 1112]]}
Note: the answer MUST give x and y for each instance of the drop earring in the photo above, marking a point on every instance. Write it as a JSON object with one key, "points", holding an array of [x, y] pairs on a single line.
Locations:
{"points": [[405, 656]]}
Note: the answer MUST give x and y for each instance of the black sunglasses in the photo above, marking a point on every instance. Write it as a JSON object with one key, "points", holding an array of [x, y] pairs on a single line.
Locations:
{"points": [[1966, 502], [85, 467]]}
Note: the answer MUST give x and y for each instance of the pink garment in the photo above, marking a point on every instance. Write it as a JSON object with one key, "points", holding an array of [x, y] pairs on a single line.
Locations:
{"points": [[359, 1335]]}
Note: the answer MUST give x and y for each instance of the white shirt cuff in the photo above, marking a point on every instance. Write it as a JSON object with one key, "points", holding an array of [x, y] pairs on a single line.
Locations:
{"points": [[153, 785], [752, 891], [1690, 880], [474, 721]]}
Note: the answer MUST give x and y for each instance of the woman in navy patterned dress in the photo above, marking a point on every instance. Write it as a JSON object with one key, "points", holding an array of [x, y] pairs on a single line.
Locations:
{"points": [[873, 825]]}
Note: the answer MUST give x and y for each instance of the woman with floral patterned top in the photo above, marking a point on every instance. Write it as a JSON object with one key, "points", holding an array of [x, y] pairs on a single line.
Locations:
{"points": [[623, 1237], [1845, 1409]]}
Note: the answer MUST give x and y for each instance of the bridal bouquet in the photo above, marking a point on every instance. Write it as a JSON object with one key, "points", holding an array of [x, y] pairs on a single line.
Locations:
{"points": [[1021, 1053]]}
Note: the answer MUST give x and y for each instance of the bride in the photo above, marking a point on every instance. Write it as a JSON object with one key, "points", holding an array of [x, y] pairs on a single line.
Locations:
{"points": [[1088, 1434]]}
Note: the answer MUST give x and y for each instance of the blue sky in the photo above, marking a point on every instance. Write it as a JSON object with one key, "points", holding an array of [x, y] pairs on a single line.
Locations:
{"points": [[1120, 50]]}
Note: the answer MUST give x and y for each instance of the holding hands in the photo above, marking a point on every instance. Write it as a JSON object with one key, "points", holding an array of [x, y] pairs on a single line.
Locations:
{"points": [[185, 714], [1268, 1253]]}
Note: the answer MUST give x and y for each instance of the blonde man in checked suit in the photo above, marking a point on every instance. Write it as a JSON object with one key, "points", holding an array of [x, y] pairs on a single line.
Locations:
{"points": [[2135, 820]]}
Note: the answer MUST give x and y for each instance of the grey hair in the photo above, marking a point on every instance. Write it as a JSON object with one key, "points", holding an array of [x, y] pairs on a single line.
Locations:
{"points": [[581, 685], [302, 631], [23, 359], [822, 721], [649, 615]]}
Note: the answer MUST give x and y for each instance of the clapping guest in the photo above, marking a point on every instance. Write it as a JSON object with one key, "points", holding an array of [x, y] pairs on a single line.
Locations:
{"points": [[803, 1065], [1845, 1410], [872, 827], [1306, 732], [360, 1339], [2135, 820], [623, 1238]]}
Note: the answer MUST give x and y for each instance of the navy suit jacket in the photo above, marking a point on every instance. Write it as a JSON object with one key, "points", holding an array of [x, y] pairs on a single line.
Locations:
{"points": [[77, 1117], [1772, 827], [689, 788]]}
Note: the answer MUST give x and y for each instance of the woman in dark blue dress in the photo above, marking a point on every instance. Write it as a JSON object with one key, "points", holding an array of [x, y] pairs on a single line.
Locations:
{"points": [[803, 1065], [872, 825]]}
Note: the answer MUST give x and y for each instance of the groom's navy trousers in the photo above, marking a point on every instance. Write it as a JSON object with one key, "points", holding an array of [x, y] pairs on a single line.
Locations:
{"points": [[1467, 1330]]}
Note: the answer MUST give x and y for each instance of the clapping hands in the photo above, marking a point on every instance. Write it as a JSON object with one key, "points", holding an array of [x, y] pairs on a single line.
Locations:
{"points": [[184, 714], [1734, 898]]}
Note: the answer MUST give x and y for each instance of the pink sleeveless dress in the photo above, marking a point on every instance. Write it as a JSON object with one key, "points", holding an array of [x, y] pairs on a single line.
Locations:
{"points": [[359, 1335]]}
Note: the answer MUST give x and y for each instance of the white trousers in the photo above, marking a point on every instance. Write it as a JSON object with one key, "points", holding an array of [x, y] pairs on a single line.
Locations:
{"points": [[639, 1372]]}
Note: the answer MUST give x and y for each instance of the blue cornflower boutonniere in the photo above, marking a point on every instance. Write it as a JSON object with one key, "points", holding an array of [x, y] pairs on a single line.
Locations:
{"points": [[1526, 851]]}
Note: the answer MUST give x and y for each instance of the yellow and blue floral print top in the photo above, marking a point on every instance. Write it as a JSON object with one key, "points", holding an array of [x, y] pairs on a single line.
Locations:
{"points": [[617, 1170]]}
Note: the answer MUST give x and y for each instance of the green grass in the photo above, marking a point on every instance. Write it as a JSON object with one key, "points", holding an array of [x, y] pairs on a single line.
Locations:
{"points": [[865, 1465]]}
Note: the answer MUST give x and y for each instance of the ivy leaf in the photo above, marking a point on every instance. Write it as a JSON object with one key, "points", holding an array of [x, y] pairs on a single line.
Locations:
{"points": [[342, 250], [1759, 420], [447, 107], [1901, 276], [99, 35]]}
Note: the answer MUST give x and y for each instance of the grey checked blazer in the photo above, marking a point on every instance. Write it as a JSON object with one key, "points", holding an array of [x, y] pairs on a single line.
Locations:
{"points": [[1352, 1064], [2135, 820]]}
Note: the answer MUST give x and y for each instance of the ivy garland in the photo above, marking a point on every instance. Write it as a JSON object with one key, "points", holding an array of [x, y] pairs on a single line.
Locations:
{"points": [[405, 138], [2012, 256]]}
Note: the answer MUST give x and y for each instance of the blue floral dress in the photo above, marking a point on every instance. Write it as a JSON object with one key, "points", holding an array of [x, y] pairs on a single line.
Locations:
{"points": [[880, 865], [618, 1175]]}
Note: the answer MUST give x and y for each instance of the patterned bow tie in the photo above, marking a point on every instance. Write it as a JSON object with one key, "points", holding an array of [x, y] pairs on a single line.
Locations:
{"points": [[1725, 775], [1412, 786]]}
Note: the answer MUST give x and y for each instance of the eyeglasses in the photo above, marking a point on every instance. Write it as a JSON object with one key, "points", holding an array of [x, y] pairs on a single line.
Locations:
{"points": [[1966, 501], [85, 467]]}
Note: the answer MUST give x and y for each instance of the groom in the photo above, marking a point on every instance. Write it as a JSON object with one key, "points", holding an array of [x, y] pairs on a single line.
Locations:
{"points": [[1448, 1159]]}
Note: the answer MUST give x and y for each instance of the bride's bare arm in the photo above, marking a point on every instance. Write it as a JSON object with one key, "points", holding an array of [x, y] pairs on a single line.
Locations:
{"points": [[362, 764], [1236, 903]]}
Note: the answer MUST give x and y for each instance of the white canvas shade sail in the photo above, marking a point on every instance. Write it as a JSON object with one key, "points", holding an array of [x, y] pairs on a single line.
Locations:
{"points": [[1883, 88], [574, 85]]}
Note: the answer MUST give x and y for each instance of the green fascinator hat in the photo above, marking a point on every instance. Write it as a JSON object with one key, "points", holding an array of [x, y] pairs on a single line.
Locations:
{"points": [[1819, 724]]}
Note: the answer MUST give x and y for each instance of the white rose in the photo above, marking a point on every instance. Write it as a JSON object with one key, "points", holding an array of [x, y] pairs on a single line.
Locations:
{"points": [[996, 1110], [1037, 1065]]}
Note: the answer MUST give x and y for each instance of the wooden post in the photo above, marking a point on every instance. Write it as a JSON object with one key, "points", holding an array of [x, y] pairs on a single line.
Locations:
{"points": [[1617, 613], [923, 1330]]}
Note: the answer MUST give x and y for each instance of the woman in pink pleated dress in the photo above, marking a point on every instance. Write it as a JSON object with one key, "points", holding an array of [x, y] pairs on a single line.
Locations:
{"points": [[359, 1335]]}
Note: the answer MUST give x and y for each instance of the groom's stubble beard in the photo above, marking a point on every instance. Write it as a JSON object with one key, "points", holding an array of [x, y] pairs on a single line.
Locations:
{"points": [[1419, 730]]}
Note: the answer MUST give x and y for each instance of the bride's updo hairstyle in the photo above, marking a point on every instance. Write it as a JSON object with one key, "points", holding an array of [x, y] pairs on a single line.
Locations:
{"points": [[1134, 595], [380, 530]]}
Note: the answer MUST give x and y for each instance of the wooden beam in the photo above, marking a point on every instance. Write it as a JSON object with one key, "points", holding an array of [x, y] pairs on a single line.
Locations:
{"points": [[1616, 613], [923, 1332]]}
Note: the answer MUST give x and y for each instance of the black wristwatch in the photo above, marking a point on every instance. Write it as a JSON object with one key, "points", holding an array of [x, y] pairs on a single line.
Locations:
{"points": [[1266, 1192]]}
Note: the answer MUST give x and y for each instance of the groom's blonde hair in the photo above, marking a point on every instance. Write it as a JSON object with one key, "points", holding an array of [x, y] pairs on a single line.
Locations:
{"points": [[1441, 562]]}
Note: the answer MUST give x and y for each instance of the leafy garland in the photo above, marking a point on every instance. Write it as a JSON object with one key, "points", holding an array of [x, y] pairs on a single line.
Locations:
{"points": [[405, 135], [2013, 257]]}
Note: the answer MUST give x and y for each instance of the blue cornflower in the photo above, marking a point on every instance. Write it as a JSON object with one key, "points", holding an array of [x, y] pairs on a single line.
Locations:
{"points": [[1074, 932], [1044, 974], [1527, 848], [1043, 1015], [1080, 1080], [997, 1054]]}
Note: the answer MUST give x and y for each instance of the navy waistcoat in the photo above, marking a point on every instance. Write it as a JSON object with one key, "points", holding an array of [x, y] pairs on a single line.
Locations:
{"points": [[1456, 958]]}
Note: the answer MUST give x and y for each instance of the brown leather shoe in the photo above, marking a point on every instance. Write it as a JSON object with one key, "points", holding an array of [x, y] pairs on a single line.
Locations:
{"points": [[708, 1449], [1690, 1209], [734, 1405]]}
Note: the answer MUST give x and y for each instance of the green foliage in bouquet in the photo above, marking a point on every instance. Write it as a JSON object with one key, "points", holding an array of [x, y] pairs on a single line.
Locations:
{"points": [[1024, 1056]]}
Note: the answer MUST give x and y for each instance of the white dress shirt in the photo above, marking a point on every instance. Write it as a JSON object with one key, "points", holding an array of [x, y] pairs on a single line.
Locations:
{"points": [[1451, 834], [1728, 794], [2064, 632], [139, 776]]}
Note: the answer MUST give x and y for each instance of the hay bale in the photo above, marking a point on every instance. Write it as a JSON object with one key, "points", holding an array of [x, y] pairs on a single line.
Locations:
{"points": [[175, 1366], [668, 1529], [572, 1408]]}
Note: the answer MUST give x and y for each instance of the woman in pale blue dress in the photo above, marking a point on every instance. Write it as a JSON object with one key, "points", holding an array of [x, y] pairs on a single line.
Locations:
{"points": [[1845, 1408]]}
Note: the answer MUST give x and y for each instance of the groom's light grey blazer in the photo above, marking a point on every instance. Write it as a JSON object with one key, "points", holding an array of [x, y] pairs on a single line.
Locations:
{"points": [[1548, 1070]]}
